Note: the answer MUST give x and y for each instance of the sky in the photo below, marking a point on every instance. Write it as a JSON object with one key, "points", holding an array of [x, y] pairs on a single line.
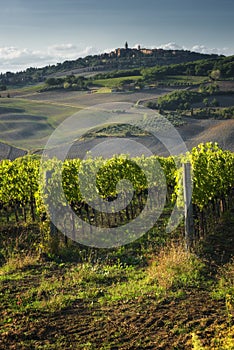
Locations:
{"points": [[37, 33]]}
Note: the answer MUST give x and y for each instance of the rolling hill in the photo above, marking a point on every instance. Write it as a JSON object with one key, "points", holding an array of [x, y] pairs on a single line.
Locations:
{"points": [[30, 113], [29, 119]]}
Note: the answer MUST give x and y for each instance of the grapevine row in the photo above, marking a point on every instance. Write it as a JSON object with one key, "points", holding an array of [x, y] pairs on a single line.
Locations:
{"points": [[21, 191]]}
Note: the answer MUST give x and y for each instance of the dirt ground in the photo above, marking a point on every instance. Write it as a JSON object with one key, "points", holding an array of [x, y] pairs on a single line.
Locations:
{"points": [[143, 323]]}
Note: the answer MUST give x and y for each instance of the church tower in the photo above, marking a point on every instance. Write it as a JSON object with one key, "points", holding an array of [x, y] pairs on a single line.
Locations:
{"points": [[126, 45]]}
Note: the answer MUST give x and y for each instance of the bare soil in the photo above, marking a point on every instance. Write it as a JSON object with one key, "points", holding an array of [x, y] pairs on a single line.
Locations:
{"points": [[143, 323]]}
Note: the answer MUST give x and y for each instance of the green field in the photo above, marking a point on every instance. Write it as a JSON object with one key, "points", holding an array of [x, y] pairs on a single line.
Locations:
{"points": [[115, 82], [186, 79], [26, 89]]}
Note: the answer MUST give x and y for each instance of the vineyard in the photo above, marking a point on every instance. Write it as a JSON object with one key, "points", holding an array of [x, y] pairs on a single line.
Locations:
{"points": [[116, 178], [94, 188], [60, 290]]}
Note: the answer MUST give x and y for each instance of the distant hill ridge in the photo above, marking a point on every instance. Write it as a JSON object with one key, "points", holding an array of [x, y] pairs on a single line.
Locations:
{"points": [[120, 58]]}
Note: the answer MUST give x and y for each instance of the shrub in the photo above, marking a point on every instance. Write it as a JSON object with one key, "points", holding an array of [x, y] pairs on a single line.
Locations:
{"points": [[179, 99]]}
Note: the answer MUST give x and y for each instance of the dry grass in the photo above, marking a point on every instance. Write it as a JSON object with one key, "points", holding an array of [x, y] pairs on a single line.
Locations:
{"points": [[18, 262], [176, 267]]}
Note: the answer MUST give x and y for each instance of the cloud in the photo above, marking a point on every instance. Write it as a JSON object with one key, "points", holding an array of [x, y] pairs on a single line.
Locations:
{"points": [[198, 48], [17, 59], [70, 51], [171, 46], [13, 58], [220, 51]]}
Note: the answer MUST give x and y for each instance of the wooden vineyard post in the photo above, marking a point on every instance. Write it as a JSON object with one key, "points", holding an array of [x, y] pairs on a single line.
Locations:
{"points": [[188, 209], [53, 229]]}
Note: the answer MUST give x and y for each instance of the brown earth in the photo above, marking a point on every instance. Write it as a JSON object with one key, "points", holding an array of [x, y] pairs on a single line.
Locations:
{"points": [[143, 323]]}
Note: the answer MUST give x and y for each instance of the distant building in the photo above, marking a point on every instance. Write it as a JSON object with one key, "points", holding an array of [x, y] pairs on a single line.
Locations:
{"points": [[146, 51], [121, 52], [135, 52]]}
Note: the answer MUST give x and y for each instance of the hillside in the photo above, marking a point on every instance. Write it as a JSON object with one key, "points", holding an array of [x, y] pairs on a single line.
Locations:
{"points": [[10, 152], [200, 92], [116, 60], [28, 118], [192, 132]]}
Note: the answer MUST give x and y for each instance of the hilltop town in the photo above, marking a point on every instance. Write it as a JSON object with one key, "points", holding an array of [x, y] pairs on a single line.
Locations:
{"points": [[120, 58]]}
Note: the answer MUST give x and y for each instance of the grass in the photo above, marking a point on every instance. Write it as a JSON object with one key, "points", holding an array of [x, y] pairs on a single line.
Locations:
{"points": [[173, 268], [111, 296], [39, 108], [26, 89], [136, 285], [223, 340], [225, 284], [104, 90], [171, 79], [49, 296], [223, 337], [114, 82]]}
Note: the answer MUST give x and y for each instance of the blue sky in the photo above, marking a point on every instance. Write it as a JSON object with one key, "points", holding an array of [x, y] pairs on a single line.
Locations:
{"points": [[35, 33]]}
